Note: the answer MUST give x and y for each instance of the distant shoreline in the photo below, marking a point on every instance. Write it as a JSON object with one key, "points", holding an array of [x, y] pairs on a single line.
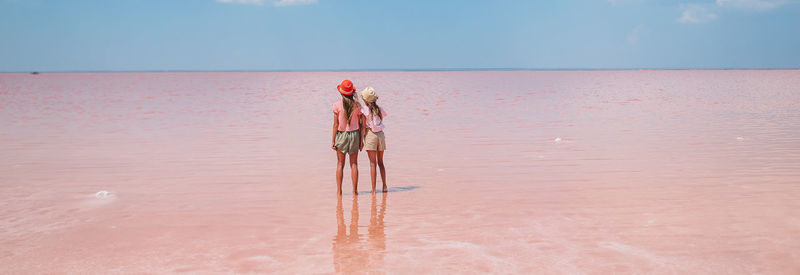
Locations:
{"points": [[406, 70]]}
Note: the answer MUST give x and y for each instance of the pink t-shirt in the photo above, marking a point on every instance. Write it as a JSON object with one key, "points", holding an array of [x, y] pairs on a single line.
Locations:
{"points": [[338, 109]]}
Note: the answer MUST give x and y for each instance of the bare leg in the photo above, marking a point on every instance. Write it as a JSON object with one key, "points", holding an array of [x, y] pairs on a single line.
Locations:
{"points": [[383, 171], [372, 169], [354, 171], [339, 172]]}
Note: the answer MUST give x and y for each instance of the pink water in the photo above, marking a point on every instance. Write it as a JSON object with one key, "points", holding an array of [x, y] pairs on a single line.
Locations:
{"points": [[503, 172]]}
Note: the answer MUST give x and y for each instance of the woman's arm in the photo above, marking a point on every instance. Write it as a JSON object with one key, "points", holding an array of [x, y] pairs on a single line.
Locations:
{"points": [[335, 128], [363, 121]]}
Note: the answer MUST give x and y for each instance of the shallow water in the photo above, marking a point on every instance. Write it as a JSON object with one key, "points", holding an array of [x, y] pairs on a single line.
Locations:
{"points": [[504, 172]]}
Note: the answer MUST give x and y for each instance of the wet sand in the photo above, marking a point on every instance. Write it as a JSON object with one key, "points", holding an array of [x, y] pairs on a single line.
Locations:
{"points": [[503, 172]]}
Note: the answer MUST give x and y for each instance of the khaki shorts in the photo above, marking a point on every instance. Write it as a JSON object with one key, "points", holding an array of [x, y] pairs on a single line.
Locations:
{"points": [[374, 141]]}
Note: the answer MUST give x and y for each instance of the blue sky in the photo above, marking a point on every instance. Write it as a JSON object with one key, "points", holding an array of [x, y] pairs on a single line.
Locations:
{"points": [[131, 35]]}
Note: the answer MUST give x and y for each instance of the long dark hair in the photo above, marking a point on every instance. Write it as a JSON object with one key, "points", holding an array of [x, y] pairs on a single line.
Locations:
{"points": [[348, 103], [374, 109]]}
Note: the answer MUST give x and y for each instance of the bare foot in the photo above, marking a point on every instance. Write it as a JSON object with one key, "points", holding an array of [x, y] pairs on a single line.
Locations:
{"points": [[385, 189]]}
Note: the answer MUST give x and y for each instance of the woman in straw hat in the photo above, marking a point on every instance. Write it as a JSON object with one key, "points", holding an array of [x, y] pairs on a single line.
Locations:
{"points": [[348, 135], [374, 140]]}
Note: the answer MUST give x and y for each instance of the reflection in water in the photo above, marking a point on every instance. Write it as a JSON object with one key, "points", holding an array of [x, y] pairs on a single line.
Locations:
{"points": [[352, 253]]}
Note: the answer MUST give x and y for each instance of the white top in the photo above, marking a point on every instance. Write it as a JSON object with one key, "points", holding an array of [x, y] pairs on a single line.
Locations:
{"points": [[376, 124]]}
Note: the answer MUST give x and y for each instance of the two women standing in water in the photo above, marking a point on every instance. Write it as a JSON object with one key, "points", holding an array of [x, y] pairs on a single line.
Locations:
{"points": [[356, 126]]}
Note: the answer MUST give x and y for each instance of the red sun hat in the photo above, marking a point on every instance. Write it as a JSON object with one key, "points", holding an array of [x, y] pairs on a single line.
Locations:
{"points": [[346, 88]]}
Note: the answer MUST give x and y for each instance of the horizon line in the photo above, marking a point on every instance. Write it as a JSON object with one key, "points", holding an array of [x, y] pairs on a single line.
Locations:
{"points": [[405, 70]]}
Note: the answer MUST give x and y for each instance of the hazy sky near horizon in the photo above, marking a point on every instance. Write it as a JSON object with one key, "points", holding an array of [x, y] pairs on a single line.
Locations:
{"points": [[128, 35]]}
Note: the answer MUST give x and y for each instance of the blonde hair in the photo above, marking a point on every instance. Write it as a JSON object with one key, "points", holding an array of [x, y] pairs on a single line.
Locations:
{"points": [[349, 104], [374, 109]]}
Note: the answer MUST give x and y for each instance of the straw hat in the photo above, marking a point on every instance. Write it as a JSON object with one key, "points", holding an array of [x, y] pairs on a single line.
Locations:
{"points": [[369, 95]]}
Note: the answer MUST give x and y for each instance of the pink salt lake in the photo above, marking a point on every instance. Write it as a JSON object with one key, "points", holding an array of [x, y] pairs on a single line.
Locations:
{"points": [[535, 172]]}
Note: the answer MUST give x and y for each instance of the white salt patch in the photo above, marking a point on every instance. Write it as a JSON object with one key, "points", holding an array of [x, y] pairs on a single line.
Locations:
{"points": [[558, 139], [101, 194], [101, 197], [635, 251], [440, 170], [475, 254], [739, 138]]}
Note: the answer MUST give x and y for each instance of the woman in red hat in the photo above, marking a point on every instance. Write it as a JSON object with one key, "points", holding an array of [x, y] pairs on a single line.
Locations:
{"points": [[348, 135]]}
